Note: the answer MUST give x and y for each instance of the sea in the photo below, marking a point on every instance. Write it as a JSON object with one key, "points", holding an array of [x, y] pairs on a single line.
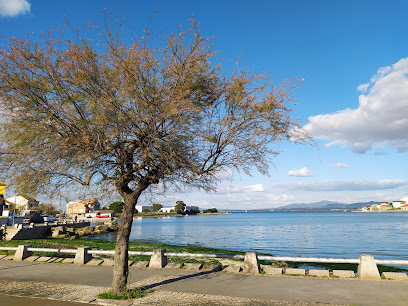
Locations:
{"points": [[335, 234]]}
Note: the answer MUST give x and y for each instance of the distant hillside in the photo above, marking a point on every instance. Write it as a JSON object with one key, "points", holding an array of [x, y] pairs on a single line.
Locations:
{"points": [[309, 205], [325, 205]]}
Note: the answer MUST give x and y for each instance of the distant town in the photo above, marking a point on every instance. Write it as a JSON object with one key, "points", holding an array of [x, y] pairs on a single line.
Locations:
{"points": [[23, 208]]}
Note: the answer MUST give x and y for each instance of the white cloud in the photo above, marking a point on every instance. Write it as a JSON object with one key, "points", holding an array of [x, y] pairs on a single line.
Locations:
{"points": [[224, 174], [228, 189], [12, 8], [363, 87], [380, 119], [339, 165], [283, 197], [254, 188], [300, 172]]}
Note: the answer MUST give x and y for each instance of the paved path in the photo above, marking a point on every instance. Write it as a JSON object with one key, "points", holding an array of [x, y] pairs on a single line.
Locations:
{"points": [[10, 300], [178, 287]]}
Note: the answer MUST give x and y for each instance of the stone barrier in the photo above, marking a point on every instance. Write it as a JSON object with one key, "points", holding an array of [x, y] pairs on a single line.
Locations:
{"points": [[158, 259], [251, 263], [82, 256], [367, 268], [22, 252]]}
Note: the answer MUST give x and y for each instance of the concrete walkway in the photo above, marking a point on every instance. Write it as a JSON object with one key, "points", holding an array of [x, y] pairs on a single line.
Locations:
{"points": [[179, 287]]}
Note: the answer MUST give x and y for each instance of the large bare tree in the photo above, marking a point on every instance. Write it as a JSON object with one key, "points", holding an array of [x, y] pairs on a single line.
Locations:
{"points": [[132, 112]]}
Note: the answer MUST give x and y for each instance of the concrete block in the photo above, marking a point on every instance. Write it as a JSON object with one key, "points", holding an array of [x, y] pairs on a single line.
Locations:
{"points": [[251, 263], [43, 259], [192, 266], [82, 256], [272, 270], [295, 271], [10, 257], [367, 269], [22, 252], [320, 273], [158, 260], [395, 275], [68, 260], [57, 260], [344, 273], [173, 265], [2, 256], [108, 263], [211, 268], [94, 262], [140, 264], [232, 269]]}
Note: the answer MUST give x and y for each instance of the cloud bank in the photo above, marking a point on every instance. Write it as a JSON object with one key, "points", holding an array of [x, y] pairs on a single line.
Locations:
{"points": [[12, 8], [380, 119], [350, 185]]}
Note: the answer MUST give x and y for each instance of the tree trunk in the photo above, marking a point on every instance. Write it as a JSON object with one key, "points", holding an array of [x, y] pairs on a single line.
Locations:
{"points": [[121, 267]]}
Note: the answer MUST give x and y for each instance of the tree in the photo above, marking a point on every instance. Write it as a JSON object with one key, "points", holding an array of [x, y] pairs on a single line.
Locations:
{"points": [[132, 113], [157, 206], [210, 210], [117, 206], [47, 209], [180, 207]]}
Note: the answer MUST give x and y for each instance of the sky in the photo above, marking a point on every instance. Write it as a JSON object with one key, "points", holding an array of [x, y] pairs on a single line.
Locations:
{"points": [[351, 55]]}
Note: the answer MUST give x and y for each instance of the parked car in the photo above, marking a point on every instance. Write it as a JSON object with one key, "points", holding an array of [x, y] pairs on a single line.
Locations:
{"points": [[36, 218], [48, 218]]}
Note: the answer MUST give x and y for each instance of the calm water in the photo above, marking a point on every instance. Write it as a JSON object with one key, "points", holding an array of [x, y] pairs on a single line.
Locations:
{"points": [[321, 234]]}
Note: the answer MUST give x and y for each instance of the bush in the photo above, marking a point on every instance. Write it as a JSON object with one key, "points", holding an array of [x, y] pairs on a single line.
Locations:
{"points": [[210, 210], [134, 293], [192, 211]]}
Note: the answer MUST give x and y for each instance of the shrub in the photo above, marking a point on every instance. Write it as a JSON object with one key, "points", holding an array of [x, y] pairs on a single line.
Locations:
{"points": [[135, 293]]}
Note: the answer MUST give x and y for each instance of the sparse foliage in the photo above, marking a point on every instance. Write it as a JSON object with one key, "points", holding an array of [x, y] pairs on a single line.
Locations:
{"points": [[157, 206], [47, 209], [132, 113]]}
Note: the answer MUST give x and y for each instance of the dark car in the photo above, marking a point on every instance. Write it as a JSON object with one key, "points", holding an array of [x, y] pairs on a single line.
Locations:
{"points": [[36, 218]]}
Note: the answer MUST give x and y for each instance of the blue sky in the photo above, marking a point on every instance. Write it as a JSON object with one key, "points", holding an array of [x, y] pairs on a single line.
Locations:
{"points": [[352, 55]]}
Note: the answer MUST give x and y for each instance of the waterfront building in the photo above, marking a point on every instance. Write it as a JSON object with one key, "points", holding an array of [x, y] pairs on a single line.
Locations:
{"points": [[142, 208], [79, 208]]}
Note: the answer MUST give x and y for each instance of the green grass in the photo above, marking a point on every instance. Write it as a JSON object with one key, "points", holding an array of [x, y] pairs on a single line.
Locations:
{"points": [[135, 293]]}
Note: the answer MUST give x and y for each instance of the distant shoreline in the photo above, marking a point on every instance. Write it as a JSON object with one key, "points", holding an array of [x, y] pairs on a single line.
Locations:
{"points": [[380, 211]]}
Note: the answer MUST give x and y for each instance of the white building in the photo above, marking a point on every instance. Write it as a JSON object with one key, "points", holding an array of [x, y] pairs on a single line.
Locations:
{"points": [[397, 204], [142, 208], [22, 202], [168, 209]]}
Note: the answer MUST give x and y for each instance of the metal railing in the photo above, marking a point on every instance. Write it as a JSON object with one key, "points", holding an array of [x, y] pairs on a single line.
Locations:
{"points": [[227, 256]]}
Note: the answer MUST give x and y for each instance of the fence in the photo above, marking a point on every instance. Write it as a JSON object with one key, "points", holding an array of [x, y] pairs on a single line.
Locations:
{"points": [[367, 264]]}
